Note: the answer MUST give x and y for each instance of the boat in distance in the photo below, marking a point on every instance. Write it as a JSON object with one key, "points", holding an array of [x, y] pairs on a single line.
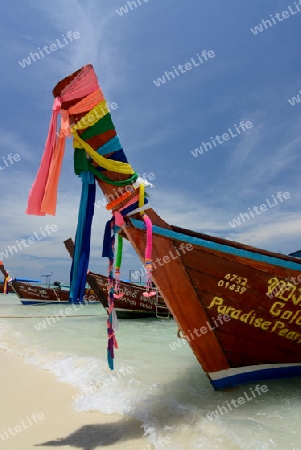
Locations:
{"points": [[238, 306], [31, 294], [130, 304]]}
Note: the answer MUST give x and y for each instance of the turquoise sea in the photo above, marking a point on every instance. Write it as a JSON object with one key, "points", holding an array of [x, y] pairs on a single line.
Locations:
{"points": [[156, 379]]}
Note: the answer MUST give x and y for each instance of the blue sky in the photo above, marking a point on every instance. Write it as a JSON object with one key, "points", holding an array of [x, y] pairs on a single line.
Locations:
{"points": [[250, 78]]}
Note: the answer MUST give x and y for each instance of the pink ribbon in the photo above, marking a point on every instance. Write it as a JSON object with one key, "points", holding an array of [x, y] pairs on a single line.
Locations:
{"points": [[46, 182], [38, 188]]}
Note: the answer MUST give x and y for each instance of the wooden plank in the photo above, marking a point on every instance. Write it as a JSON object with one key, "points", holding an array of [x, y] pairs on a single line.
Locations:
{"points": [[181, 299]]}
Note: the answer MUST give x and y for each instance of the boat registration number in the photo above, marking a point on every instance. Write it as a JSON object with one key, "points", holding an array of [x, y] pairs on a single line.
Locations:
{"points": [[234, 283]]}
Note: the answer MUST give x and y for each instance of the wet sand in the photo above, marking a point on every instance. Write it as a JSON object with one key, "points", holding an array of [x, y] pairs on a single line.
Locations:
{"points": [[36, 412]]}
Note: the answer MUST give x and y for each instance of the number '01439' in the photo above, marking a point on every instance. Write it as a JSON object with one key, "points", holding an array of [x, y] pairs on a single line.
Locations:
{"points": [[233, 283]]}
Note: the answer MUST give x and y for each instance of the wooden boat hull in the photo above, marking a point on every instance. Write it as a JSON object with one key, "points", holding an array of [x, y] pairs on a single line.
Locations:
{"points": [[233, 303], [132, 305], [30, 294], [214, 279]]}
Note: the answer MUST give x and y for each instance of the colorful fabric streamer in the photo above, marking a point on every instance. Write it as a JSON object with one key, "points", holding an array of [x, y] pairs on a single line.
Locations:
{"points": [[42, 197], [98, 156], [7, 279]]}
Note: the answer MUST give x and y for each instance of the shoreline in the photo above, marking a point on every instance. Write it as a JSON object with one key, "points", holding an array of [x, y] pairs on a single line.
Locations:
{"points": [[36, 412]]}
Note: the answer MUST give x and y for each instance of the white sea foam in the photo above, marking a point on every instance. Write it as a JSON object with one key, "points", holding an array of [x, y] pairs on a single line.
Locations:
{"points": [[166, 390]]}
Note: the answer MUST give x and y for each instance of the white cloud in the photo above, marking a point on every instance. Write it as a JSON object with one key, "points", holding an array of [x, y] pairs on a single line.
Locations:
{"points": [[274, 229]]}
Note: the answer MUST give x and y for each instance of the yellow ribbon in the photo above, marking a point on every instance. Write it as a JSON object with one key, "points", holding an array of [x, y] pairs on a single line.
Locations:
{"points": [[141, 198], [108, 164], [92, 116]]}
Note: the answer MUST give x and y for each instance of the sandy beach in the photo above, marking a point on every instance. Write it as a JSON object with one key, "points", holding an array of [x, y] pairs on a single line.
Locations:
{"points": [[36, 412]]}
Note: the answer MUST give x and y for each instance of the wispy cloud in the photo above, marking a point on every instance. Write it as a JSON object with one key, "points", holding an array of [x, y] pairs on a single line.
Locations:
{"points": [[276, 229], [258, 161], [96, 45], [158, 128], [279, 232], [12, 142]]}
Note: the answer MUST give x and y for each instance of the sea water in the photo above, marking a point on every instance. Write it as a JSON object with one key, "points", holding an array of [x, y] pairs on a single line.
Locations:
{"points": [[157, 379]]}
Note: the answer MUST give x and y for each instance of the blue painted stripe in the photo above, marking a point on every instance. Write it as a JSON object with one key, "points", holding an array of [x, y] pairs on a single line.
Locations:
{"points": [[219, 247], [256, 376], [26, 280], [37, 302]]}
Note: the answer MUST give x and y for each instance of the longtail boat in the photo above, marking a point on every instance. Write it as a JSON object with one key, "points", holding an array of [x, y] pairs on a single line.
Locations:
{"points": [[129, 302], [239, 307], [33, 294]]}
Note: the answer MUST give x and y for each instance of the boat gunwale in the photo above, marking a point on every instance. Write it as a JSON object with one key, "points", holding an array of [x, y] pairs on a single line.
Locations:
{"points": [[247, 251]]}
